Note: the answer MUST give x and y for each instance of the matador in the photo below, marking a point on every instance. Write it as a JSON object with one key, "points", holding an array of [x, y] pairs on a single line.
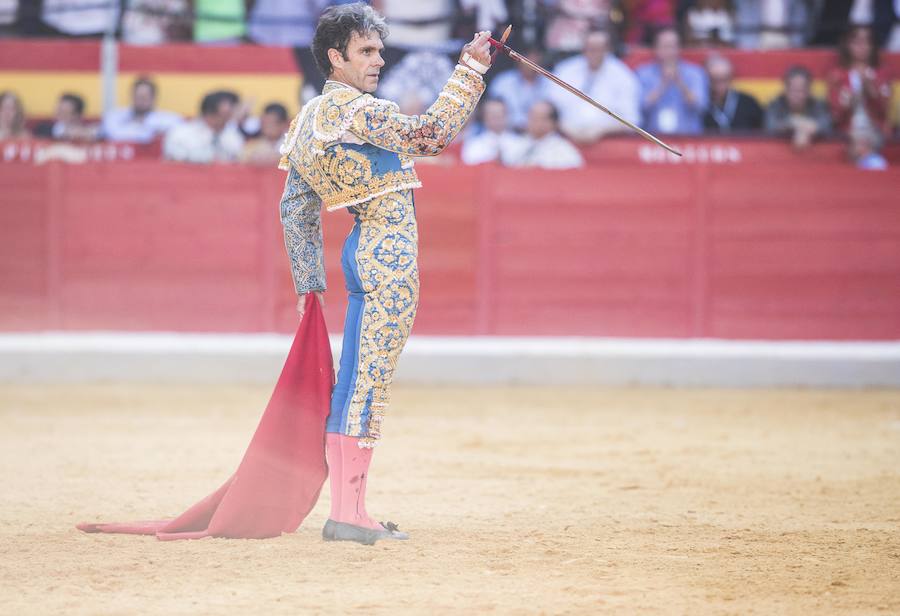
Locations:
{"points": [[347, 149]]}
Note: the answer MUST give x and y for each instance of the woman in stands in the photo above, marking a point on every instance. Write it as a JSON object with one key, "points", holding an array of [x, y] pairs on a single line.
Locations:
{"points": [[12, 117], [859, 92]]}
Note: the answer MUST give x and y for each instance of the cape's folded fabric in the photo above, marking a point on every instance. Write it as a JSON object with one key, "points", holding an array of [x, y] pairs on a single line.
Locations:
{"points": [[279, 479]]}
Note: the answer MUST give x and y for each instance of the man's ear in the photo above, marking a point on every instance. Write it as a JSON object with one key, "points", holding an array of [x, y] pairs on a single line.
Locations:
{"points": [[335, 57]]}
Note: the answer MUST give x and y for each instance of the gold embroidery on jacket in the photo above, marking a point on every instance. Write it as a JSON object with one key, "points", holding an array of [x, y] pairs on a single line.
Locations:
{"points": [[388, 236]]}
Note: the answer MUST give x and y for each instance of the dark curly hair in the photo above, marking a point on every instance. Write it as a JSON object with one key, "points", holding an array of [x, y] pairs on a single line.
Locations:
{"points": [[336, 26], [844, 48]]}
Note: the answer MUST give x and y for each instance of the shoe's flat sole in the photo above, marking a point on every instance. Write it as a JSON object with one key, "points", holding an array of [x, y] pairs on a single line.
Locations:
{"points": [[341, 531]]}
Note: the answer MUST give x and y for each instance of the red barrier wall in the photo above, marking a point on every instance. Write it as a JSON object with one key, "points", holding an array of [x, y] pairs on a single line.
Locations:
{"points": [[735, 251]]}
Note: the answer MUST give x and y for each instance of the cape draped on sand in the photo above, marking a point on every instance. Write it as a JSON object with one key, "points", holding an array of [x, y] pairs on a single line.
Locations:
{"points": [[279, 479]]}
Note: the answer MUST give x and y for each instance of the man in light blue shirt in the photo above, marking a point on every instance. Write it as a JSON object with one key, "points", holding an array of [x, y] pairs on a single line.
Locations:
{"points": [[674, 93], [142, 122]]}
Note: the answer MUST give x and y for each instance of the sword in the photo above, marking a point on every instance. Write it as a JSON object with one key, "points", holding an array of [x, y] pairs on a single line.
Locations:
{"points": [[515, 55]]}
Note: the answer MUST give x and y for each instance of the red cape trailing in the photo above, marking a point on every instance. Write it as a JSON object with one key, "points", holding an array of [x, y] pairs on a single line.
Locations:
{"points": [[279, 479]]}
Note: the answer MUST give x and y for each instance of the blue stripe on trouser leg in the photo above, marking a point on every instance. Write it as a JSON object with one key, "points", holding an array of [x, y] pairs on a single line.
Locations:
{"points": [[346, 382], [379, 261]]}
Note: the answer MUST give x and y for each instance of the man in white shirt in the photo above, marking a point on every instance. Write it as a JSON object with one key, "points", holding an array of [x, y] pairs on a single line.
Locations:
{"points": [[543, 146], [494, 138], [142, 122], [80, 17], [423, 23], [212, 137], [603, 77]]}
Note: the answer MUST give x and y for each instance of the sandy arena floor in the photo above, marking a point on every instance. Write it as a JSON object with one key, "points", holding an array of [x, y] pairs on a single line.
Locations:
{"points": [[518, 501]]}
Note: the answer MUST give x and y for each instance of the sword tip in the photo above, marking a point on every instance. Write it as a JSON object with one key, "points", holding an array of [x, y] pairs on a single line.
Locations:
{"points": [[502, 42]]}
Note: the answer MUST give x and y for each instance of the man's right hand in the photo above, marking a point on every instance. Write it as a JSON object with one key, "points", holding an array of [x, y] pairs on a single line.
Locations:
{"points": [[301, 302], [479, 50]]}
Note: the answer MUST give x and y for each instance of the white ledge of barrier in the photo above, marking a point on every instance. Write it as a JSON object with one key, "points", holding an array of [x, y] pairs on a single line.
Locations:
{"points": [[48, 357]]}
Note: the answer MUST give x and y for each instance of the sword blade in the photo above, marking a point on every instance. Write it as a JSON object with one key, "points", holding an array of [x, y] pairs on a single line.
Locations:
{"points": [[515, 55]]}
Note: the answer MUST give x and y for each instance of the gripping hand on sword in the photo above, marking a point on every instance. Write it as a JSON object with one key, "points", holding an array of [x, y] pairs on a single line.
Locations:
{"points": [[477, 54]]}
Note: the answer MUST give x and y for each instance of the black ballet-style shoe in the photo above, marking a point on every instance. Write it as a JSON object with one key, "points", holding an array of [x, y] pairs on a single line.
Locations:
{"points": [[341, 531]]}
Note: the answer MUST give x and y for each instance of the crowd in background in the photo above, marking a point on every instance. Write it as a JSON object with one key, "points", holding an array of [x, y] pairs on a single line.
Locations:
{"points": [[669, 95], [523, 120], [222, 131], [556, 26]]}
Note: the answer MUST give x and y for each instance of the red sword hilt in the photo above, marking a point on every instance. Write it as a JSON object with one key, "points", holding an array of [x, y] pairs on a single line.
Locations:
{"points": [[501, 44]]}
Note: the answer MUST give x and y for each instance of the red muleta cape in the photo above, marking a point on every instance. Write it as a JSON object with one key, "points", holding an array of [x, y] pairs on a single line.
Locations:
{"points": [[279, 479]]}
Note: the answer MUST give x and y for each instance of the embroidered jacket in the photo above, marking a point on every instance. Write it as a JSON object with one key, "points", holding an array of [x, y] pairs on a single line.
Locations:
{"points": [[346, 147]]}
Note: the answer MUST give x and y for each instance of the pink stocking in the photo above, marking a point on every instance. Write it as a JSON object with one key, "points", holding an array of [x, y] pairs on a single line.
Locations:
{"points": [[348, 467]]}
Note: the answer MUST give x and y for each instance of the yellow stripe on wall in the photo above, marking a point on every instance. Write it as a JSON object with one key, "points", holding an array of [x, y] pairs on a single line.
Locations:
{"points": [[39, 91], [764, 90], [178, 92], [182, 92]]}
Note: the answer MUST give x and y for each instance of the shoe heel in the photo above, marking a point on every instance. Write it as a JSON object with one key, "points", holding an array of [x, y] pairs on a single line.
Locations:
{"points": [[328, 531]]}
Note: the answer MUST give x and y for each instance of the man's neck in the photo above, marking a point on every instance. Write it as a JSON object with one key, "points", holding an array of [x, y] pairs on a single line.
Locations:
{"points": [[340, 81], [594, 69]]}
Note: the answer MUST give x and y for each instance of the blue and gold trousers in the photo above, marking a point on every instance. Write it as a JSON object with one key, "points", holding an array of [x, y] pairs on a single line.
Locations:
{"points": [[382, 280]]}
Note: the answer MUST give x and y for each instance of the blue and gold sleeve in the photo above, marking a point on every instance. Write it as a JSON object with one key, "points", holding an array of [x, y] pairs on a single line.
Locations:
{"points": [[301, 218], [381, 124]]}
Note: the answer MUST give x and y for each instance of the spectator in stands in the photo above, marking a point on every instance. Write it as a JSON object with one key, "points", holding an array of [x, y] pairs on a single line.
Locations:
{"points": [[290, 23], [858, 91], [221, 22], [729, 110], [80, 17], [69, 124], [796, 112], [709, 23], [485, 14], [241, 119], [863, 150], [213, 137], [647, 17], [542, 145], [141, 122], [605, 78], [284, 23], [9, 10], [570, 22], [520, 88], [772, 24], [494, 138], [154, 22], [673, 92], [423, 23], [12, 117], [264, 149]]}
